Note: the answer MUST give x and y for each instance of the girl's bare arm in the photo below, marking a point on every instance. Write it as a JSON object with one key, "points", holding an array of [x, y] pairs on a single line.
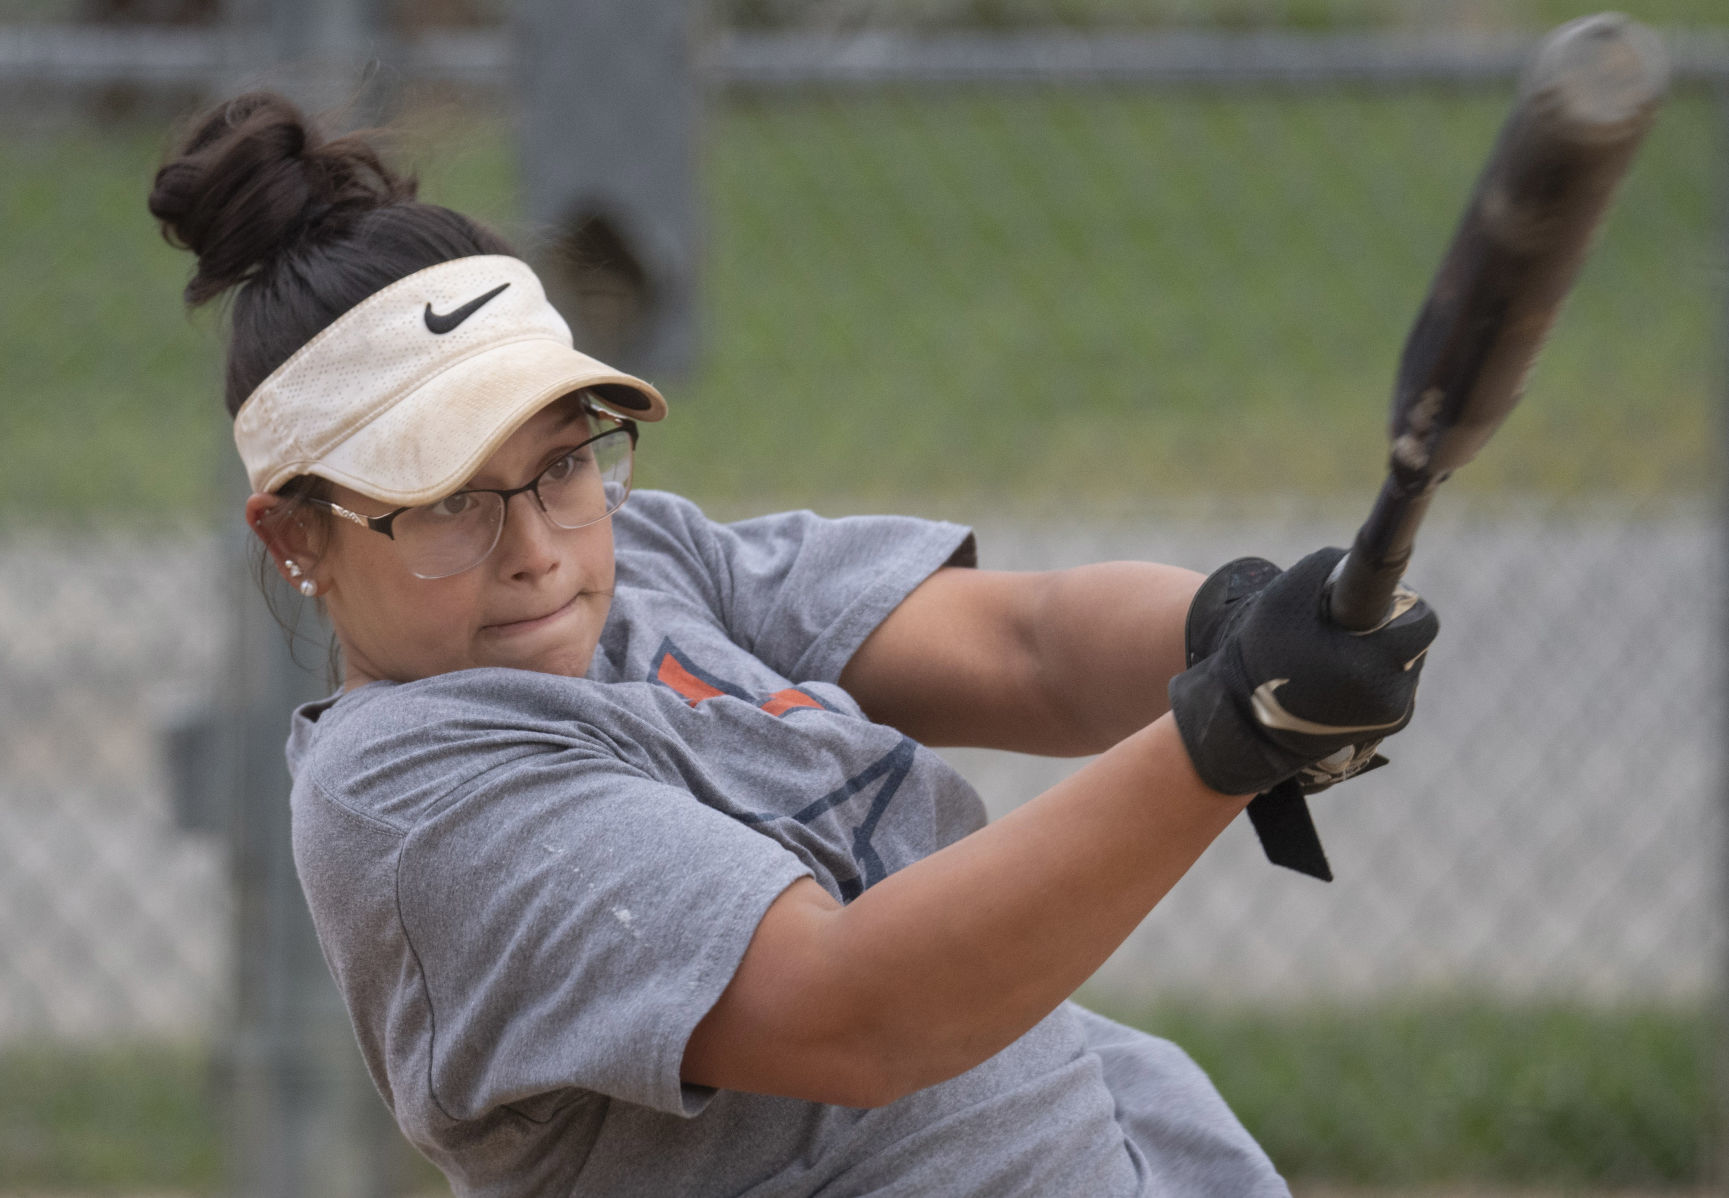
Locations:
{"points": [[939, 966], [1062, 663]]}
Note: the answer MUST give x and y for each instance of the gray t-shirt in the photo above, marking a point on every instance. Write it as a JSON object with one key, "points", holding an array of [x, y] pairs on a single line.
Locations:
{"points": [[530, 888]]}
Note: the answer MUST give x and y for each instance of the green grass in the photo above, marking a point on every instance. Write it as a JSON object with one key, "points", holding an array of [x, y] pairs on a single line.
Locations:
{"points": [[102, 1119], [1084, 297], [1455, 1091], [965, 298], [109, 391], [1452, 1091]]}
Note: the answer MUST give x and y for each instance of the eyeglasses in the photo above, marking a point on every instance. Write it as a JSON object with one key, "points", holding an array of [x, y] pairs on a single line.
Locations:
{"points": [[582, 486]]}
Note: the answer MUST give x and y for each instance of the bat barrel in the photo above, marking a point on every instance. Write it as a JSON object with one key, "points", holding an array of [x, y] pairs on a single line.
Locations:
{"points": [[1584, 104]]}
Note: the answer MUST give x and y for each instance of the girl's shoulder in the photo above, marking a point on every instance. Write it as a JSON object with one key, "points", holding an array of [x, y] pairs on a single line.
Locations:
{"points": [[655, 519], [392, 750]]}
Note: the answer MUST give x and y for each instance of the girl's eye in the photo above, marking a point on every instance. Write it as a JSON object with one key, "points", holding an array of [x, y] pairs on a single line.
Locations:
{"points": [[565, 467], [452, 505]]}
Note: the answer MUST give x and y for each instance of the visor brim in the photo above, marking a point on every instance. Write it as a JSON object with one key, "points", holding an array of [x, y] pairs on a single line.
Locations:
{"points": [[434, 440]]}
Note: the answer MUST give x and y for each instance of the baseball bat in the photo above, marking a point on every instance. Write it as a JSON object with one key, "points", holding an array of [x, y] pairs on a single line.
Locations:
{"points": [[1584, 103]]}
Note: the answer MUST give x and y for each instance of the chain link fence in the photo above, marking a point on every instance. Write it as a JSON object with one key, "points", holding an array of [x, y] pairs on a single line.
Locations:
{"points": [[1100, 314]]}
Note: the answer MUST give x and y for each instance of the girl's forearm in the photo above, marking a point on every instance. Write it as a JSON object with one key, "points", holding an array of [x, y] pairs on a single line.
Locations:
{"points": [[1107, 640], [956, 956], [1062, 663]]}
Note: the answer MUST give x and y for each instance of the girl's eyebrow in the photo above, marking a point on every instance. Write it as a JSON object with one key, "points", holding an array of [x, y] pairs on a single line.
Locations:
{"points": [[547, 455]]}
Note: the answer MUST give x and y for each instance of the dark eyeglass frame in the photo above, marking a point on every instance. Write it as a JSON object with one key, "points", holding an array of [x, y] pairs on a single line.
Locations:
{"points": [[382, 524]]}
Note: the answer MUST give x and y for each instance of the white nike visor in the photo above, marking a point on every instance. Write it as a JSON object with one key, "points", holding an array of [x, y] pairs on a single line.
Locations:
{"points": [[406, 394]]}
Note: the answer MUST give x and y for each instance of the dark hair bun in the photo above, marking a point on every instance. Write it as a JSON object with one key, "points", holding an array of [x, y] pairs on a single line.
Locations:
{"points": [[255, 178]]}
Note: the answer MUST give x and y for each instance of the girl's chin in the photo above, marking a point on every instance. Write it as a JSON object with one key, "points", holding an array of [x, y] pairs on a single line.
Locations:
{"points": [[569, 661], [562, 644]]}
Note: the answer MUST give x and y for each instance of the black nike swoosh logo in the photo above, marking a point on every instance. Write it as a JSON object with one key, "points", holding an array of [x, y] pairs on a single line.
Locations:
{"points": [[443, 322]]}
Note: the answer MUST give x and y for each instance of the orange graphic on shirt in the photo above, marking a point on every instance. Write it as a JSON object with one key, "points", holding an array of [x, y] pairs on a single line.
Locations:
{"points": [[694, 689], [680, 674], [782, 702]]}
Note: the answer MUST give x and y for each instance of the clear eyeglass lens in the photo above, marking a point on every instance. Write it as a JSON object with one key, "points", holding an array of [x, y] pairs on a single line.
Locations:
{"points": [[447, 537], [457, 532], [589, 484]]}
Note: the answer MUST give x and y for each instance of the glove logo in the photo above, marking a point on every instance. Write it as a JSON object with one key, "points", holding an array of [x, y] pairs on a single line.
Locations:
{"points": [[1270, 713]]}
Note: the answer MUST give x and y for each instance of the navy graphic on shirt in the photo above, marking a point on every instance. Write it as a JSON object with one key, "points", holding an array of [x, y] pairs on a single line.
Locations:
{"points": [[881, 779]]}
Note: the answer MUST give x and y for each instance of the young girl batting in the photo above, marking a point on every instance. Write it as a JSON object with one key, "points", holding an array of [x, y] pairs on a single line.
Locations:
{"points": [[621, 835]]}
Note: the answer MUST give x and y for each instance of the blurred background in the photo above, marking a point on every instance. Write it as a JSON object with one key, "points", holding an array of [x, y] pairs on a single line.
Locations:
{"points": [[1105, 278]]}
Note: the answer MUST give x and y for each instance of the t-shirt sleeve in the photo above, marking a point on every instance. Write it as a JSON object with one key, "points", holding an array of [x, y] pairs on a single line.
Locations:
{"points": [[573, 920], [797, 590], [802, 592]]}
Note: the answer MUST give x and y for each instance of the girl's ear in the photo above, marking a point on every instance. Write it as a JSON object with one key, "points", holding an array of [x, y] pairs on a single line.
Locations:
{"points": [[287, 535]]}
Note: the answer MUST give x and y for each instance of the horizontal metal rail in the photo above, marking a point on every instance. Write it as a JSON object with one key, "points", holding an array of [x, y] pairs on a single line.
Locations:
{"points": [[81, 55], [1177, 58]]}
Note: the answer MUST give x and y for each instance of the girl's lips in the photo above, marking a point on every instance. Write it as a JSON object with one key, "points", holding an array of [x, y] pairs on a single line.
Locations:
{"points": [[519, 626]]}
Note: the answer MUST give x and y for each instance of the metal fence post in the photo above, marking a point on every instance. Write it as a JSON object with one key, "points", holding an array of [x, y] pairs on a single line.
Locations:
{"points": [[1719, 1164], [306, 1118], [608, 165], [318, 52]]}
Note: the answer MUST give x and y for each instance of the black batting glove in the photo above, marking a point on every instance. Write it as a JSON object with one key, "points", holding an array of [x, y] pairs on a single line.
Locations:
{"points": [[1221, 602], [1275, 690], [1217, 607]]}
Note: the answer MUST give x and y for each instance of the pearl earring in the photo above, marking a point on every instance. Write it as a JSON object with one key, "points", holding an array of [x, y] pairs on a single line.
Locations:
{"points": [[307, 586]]}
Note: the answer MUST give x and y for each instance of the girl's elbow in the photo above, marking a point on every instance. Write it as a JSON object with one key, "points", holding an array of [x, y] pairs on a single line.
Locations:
{"points": [[887, 1068], [874, 1083]]}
